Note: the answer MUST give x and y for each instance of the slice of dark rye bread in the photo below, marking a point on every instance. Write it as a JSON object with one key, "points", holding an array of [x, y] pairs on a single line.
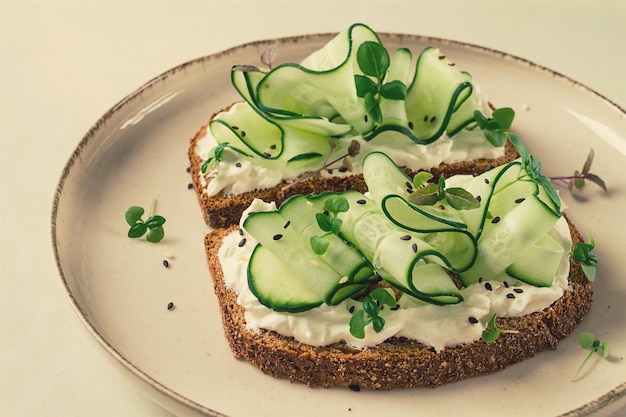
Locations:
{"points": [[222, 211], [397, 362]]}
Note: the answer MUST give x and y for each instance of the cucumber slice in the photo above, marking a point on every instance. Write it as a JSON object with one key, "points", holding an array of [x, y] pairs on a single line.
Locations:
{"points": [[337, 274], [538, 264], [401, 257], [275, 284]]}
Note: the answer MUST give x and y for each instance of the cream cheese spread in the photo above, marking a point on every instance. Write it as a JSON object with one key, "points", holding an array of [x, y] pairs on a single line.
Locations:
{"points": [[234, 175], [436, 326]]}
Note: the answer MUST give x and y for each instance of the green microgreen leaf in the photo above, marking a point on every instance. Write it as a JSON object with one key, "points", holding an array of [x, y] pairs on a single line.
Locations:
{"points": [[373, 59], [138, 227], [393, 90], [461, 199], [372, 106], [336, 204], [492, 332], [587, 260], [133, 215], [319, 244], [383, 297], [378, 323], [421, 178], [358, 321], [427, 195], [323, 221], [370, 306], [365, 85], [587, 340]]}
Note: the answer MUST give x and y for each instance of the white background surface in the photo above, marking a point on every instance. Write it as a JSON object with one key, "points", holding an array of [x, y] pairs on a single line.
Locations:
{"points": [[65, 63]]}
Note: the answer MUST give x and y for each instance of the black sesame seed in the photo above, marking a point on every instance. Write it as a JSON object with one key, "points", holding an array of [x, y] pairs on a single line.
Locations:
{"points": [[170, 305], [510, 295], [354, 387], [189, 186], [243, 133], [365, 118], [361, 201], [287, 224], [425, 117], [442, 57], [235, 127], [519, 200], [486, 180], [451, 64], [473, 320], [432, 119], [343, 169], [240, 232], [166, 263], [238, 164], [273, 146], [351, 309], [242, 243], [188, 169], [277, 236], [414, 247], [506, 284], [488, 286], [405, 237], [330, 171], [518, 290], [410, 125], [267, 154], [480, 280], [478, 198], [408, 184], [495, 220]]}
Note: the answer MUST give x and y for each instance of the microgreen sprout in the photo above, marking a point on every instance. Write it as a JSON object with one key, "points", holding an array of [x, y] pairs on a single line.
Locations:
{"points": [[579, 178], [588, 261], [372, 305], [588, 341], [328, 222], [138, 227], [217, 154], [353, 150], [426, 193], [373, 60], [492, 332]]}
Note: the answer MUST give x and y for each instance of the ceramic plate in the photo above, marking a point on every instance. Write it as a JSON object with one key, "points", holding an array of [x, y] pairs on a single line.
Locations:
{"points": [[137, 153]]}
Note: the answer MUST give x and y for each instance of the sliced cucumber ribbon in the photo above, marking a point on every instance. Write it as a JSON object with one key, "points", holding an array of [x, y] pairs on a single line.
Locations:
{"points": [[292, 110]]}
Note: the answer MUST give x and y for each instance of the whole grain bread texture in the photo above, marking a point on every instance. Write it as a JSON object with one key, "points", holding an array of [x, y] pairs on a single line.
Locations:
{"points": [[222, 211], [397, 362]]}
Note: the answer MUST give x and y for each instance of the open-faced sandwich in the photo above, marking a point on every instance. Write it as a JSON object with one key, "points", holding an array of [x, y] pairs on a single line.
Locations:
{"points": [[435, 250]]}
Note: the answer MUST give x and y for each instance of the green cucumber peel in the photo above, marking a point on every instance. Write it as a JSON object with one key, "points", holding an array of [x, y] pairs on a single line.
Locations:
{"points": [[372, 305]]}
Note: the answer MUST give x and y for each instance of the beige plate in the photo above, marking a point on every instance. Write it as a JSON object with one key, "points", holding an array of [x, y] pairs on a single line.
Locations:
{"points": [[120, 289]]}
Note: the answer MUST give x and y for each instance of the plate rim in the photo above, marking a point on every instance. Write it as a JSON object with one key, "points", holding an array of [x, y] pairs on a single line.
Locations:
{"points": [[595, 405]]}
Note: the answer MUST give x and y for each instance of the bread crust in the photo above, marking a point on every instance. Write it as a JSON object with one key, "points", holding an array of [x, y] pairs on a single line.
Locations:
{"points": [[222, 211], [398, 362]]}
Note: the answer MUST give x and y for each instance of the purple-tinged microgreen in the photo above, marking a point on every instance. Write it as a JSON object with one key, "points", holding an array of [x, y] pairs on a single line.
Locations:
{"points": [[579, 178], [373, 60], [426, 193], [587, 260], [588, 341], [328, 222], [353, 150], [492, 332], [372, 305], [138, 227]]}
